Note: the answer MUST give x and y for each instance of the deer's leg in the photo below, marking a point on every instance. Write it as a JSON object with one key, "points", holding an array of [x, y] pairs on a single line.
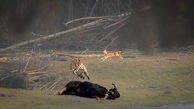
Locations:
{"points": [[104, 58], [121, 57]]}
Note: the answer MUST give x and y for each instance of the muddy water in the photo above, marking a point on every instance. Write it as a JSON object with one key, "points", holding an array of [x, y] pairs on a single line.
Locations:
{"points": [[172, 106]]}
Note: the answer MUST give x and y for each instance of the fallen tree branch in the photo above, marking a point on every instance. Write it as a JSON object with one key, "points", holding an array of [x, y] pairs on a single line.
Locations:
{"points": [[35, 34], [84, 51], [111, 25], [4, 77], [101, 20], [54, 84], [99, 17], [112, 32], [38, 70], [26, 65], [52, 35], [84, 18], [77, 55], [35, 78], [31, 73], [44, 85]]}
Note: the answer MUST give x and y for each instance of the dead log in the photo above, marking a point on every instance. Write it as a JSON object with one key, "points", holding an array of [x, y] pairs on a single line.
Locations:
{"points": [[120, 21], [32, 73], [39, 70], [54, 84], [77, 55], [26, 65], [53, 35], [101, 20], [44, 85], [99, 17]]}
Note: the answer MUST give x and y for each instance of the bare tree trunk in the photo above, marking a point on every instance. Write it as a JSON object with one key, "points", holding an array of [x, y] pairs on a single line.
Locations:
{"points": [[93, 8]]}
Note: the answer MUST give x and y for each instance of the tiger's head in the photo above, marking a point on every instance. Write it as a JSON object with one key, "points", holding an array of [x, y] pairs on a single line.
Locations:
{"points": [[76, 60]]}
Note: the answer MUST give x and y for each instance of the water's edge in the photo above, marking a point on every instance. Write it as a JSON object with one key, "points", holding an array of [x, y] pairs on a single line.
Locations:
{"points": [[170, 106]]}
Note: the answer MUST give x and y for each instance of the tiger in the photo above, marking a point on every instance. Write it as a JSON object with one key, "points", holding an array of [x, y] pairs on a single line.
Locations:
{"points": [[79, 68], [111, 54]]}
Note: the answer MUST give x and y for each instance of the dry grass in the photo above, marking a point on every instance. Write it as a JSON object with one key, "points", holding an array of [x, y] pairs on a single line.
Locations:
{"points": [[145, 80]]}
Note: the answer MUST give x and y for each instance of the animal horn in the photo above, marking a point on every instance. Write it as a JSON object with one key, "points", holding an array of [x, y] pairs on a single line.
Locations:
{"points": [[115, 86]]}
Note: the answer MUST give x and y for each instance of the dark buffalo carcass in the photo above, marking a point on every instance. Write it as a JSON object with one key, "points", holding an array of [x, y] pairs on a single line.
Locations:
{"points": [[88, 89]]}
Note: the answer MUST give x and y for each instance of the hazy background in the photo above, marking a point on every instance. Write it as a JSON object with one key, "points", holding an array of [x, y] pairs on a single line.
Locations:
{"points": [[156, 23]]}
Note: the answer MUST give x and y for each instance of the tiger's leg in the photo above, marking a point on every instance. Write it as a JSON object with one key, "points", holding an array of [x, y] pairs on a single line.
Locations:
{"points": [[76, 70], [87, 76], [81, 75], [86, 73]]}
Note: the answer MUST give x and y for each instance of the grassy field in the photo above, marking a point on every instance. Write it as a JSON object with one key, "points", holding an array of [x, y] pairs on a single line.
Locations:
{"points": [[164, 78]]}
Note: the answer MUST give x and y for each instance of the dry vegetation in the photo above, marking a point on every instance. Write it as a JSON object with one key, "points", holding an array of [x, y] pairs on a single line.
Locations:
{"points": [[156, 79]]}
